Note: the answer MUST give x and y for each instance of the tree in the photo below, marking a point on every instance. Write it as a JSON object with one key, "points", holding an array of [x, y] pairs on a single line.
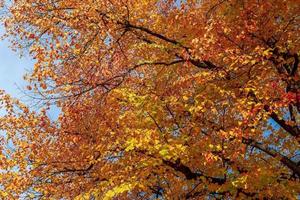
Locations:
{"points": [[159, 99]]}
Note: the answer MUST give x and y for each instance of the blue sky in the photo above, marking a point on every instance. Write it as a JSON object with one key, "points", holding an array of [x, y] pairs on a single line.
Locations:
{"points": [[12, 69]]}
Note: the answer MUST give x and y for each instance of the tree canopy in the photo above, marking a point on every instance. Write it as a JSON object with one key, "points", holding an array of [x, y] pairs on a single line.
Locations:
{"points": [[159, 99]]}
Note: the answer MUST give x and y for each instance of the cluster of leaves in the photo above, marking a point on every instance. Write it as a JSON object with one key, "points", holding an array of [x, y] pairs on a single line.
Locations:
{"points": [[159, 99]]}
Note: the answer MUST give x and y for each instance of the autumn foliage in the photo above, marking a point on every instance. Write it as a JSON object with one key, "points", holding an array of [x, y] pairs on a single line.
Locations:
{"points": [[195, 99]]}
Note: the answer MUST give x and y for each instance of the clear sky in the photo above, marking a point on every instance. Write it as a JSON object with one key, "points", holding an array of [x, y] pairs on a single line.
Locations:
{"points": [[12, 69]]}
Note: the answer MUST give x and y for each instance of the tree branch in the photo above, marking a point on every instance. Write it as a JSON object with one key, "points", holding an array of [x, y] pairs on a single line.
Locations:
{"points": [[283, 159], [294, 131], [178, 166]]}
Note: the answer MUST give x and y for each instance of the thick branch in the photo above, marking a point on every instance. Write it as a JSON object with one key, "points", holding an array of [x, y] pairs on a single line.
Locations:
{"points": [[178, 166], [198, 63], [150, 32], [295, 65], [294, 131], [283, 159]]}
